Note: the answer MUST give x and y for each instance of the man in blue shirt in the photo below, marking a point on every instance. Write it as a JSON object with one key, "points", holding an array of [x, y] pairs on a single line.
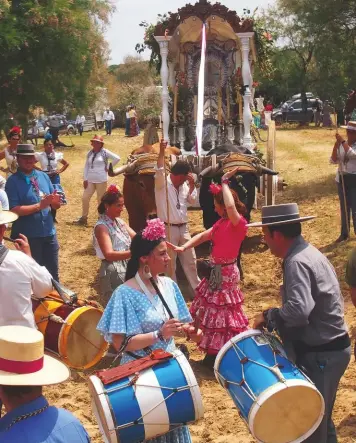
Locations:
{"points": [[29, 418], [31, 196]]}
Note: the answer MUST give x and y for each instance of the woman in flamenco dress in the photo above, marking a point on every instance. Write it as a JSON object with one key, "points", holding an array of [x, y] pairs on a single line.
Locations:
{"points": [[217, 307]]}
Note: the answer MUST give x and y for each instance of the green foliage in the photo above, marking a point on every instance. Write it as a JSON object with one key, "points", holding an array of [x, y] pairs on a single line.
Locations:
{"points": [[50, 51]]}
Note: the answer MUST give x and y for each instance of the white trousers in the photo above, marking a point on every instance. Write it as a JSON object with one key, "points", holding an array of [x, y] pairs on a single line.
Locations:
{"points": [[88, 193], [179, 236]]}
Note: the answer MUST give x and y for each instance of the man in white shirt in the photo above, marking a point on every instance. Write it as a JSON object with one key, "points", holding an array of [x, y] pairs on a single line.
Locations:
{"points": [[79, 122], [181, 192], [20, 277], [108, 118], [95, 174]]}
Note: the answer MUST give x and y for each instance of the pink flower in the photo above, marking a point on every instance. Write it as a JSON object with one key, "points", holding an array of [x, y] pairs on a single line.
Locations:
{"points": [[154, 230], [214, 188]]}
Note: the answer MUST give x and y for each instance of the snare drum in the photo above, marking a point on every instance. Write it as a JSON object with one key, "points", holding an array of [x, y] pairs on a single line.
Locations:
{"points": [[278, 402], [148, 403], [72, 334]]}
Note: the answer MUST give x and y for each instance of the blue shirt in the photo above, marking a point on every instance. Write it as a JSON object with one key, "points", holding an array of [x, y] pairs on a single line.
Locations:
{"points": [[22, 193], [50, 426]]}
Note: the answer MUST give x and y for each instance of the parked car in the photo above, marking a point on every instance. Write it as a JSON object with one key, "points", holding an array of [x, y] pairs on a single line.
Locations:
{"points": [[66, 127], [295, 112]]}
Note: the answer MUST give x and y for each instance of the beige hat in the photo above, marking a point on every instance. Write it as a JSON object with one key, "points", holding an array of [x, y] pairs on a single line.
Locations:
{"points": [[7, 216], [22, 359], [351, 126]]}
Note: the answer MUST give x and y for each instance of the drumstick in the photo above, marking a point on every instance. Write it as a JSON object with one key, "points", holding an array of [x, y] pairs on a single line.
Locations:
{"points": [[9, 239]]}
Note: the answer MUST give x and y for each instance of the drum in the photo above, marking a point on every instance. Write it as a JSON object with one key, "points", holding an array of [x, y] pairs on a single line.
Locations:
{"points": [[70, 331], [278, 402], [148, 403]]}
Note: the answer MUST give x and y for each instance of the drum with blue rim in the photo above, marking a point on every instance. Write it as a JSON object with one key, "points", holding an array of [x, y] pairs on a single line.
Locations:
{"points": [[147, 403], [275, 398]]}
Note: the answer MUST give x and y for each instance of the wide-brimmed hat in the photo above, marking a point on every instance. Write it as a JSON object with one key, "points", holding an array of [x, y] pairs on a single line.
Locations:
{"points": [[7, 216], [98, 138], [280, 215], [351, 126], [23, 362], [25, 149]]}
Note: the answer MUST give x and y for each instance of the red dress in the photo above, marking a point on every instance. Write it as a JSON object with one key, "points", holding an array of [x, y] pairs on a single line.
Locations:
{"points": [[218, 311]]}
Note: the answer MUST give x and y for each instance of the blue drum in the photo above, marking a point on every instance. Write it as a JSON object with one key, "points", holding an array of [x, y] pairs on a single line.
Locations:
{"points": [[149, 403], [277, 401]]}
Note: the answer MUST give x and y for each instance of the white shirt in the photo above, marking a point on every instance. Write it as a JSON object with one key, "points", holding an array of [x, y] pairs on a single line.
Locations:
{"points": [[53, 164], [2, 182], [108, 115], [97, 171], [181, 196], [21, 276], [4, 201], [348, 167]]}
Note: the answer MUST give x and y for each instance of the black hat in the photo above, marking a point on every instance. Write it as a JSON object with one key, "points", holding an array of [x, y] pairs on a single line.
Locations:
{"points": [[280, 215], [25, 149]]}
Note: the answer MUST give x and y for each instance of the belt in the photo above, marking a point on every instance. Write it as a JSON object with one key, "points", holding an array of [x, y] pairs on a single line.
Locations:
{"points": [[179, 225], [338, 344]]}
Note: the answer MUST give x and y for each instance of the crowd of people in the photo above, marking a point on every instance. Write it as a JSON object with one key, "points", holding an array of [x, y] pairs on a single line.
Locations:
{"points": [[144, 310]]}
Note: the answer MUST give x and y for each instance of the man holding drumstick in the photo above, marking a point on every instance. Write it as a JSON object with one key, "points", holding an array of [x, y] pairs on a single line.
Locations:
{"points": [[311, 319]]}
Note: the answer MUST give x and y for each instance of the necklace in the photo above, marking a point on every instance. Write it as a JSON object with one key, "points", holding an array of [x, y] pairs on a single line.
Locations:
{"points": [[25, 416], [178, 202]]}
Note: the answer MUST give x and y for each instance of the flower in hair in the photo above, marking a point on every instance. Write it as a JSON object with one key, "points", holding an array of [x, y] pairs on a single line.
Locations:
{"points": [[154, 230], [113, 189], [214, 188]]}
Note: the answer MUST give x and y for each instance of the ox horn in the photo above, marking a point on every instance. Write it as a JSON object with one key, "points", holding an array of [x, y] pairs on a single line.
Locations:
{"points": [[205, 171], [118, 171], [268, 171]]}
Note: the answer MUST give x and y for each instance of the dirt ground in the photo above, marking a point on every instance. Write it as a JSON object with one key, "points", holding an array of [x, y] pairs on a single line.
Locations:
{"points": [[303, 161]]}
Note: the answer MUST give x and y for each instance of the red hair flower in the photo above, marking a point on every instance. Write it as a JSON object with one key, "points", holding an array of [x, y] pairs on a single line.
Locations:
{"points": [[214, 188], [113, 189], [154, 230]]}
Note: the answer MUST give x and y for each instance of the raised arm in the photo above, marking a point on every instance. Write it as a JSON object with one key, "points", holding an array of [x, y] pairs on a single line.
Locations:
{"points": [[229, 201], [162, 149]]}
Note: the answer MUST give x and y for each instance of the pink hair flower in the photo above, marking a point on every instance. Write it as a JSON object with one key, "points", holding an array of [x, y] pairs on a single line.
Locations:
{"points": [[214, 188], [154, 230], [113, 189]]}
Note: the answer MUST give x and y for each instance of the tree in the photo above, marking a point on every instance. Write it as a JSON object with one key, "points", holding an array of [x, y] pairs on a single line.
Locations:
{"points": [[51, 51]]}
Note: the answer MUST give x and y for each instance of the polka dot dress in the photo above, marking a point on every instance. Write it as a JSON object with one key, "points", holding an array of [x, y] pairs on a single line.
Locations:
{"points": [[130, 312]]}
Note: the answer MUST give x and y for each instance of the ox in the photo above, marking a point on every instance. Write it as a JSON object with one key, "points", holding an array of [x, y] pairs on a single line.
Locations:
{"points": [[138, 188]]}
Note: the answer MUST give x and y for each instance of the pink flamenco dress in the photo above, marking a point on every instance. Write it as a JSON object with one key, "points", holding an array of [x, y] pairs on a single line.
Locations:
{"points": [[217, 306]]}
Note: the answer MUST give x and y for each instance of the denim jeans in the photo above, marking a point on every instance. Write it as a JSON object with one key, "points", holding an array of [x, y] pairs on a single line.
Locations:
{"points": [[108, 126], [45, 251], [350, 191]]}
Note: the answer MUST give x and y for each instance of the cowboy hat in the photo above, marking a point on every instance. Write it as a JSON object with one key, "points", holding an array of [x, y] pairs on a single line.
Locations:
{"points": [[25, 149], [7, 216], [98, 138], [22, 359], [280, 215], [351, 126]]}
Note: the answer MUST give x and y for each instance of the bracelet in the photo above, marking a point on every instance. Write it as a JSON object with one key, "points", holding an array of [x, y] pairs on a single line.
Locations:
{"points": [[155, 336], [225, 181]]}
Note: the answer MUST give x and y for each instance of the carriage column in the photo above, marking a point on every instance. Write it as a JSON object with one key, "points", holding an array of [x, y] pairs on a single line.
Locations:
{"points": [[163, 46], [247, 79]]}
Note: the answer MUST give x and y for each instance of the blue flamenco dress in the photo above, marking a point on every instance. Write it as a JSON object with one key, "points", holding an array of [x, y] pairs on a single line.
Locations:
{"points": [[130, 312]]}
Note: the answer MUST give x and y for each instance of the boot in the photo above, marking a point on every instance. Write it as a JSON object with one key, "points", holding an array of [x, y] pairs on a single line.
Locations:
{"points": [[82, 221]]}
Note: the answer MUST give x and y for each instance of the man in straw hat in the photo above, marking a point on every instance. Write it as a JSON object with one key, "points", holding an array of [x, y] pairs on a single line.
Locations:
{"points": [[95, 175], [344, 155], [24, 369], [20, 277], [311, 320], [31, 197]]}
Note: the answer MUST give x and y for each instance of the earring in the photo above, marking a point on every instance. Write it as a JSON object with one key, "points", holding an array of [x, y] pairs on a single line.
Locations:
{"points": [[147, 272]]}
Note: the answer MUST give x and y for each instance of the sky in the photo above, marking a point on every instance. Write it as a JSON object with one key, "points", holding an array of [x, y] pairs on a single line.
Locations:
{"points": [[124, 30]]}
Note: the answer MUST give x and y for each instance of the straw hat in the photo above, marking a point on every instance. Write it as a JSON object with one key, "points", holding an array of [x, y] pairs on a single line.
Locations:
{"points": [[280, 215], [351, 126], [98, 138], [7, 216], [22, 359]]}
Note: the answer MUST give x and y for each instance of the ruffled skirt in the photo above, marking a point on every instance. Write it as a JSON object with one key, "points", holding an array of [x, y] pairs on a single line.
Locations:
{"points": [[219, 313]]}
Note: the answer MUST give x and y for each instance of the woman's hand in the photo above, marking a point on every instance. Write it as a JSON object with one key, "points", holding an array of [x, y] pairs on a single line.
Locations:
{"points": [[170, 328], [85, 184], [175, 248], [230, 174], [193, 333]]}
